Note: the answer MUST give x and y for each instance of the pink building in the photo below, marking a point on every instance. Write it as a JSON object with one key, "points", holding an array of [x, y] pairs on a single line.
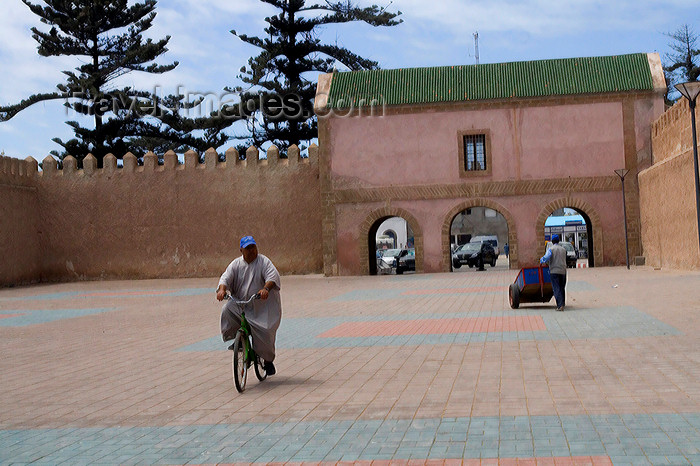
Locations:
{"points": [[523, 138]]}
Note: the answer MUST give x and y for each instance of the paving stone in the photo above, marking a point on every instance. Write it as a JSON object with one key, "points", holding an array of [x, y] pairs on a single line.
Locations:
{"points": [[134, 372]]}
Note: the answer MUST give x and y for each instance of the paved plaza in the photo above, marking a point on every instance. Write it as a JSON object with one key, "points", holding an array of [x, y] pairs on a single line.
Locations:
{"points": [[410, 369]]}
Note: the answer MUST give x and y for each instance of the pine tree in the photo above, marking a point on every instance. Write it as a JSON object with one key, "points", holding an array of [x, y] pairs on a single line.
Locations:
{"points": [[107, 37], [684, 65], [291, 58]]}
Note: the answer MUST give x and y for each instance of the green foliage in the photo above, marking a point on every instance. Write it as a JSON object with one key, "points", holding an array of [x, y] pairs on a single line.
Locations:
{"points": [[684, 61], [106, 36], [292, 56]]}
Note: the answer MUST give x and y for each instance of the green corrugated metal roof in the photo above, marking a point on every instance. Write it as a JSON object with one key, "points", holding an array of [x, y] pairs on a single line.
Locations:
{"points": [[541, 78]]}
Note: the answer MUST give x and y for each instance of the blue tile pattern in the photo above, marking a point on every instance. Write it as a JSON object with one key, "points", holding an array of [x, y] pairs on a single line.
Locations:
{"points": [[627, 438], [41, 316]]}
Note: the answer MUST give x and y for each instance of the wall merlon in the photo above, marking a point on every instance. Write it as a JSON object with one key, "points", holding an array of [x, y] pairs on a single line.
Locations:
{"points": [[48, 166], [109, 164], [273, 156], [32, 167], [232, 157], [13, 168], [129, 163], [293, 155], [89, 165], [252, 155], [170, 160], [191, 160], [211, 159], [313, 155], [29, 168], [150, 161], [70, 165]]}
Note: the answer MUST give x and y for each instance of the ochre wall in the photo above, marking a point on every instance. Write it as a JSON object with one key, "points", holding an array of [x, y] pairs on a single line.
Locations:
{"points": [[19, 222], [172, 220], [667, 194]]}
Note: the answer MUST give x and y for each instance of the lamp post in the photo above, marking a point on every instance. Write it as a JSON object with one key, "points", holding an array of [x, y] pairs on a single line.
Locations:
{"points": [[622, 172], [690, 91]]}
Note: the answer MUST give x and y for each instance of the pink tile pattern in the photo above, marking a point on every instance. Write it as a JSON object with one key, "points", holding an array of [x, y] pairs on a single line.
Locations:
{"points": [[436, 326]]}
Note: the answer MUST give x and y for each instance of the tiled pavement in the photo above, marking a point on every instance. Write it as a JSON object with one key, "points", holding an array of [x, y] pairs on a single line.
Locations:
{"points": [[413, 369]]}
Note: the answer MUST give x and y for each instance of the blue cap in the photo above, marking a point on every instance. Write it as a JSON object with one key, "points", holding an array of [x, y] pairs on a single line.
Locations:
{"points": [[554, 237], [247, 241]]}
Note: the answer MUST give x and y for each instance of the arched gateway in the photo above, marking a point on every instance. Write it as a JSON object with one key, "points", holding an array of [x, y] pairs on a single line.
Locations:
{"points": [[541, 135], [479, 202], [595, 231], [368, 230]]}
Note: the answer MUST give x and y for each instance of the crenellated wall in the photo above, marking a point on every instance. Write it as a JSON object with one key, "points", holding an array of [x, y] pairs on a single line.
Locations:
{"points": [[19, 221], [667, 194], [671, 132], [170, 220]]}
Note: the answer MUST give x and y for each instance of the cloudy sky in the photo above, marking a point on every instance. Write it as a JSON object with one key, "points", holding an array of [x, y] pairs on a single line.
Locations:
{"points": [[434, 33]]}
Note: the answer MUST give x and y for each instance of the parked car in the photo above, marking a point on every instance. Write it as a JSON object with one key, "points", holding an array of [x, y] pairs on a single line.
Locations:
{"points": [[491, 239], [388, 258], [474, 254], [571, 254], [406, 261], [401, 260]]}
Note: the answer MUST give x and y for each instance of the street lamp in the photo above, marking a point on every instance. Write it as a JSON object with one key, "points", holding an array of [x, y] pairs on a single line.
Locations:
{"points": [[622, 172], [690, 91]]}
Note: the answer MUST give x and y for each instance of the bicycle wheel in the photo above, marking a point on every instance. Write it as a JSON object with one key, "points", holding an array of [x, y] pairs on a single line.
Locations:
{"points": [[240, 368], [260, 371]]}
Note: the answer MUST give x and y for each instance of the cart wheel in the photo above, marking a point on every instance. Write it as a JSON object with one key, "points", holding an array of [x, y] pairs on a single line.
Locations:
{"points": [[514, 296]]}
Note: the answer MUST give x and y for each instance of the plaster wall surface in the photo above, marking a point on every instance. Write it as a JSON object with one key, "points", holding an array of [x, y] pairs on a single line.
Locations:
{"points": [[563, 151], [170, 220], [667, 194], [526, 143], [672, 133], [20, 234]]}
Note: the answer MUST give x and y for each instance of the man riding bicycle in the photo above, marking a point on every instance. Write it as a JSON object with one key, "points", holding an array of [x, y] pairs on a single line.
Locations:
{"points": [[245, 276]]}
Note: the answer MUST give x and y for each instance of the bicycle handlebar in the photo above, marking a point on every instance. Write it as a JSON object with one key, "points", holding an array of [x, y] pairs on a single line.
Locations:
{"points": [[252, 298]]}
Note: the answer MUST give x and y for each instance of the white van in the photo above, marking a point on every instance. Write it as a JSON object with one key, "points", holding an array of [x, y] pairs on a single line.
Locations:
{"points": [[491, 239]]}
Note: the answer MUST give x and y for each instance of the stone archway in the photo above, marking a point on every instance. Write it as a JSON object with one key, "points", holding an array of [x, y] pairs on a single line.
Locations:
{"points": [[386, 212], [587, 209], [479, 202]]}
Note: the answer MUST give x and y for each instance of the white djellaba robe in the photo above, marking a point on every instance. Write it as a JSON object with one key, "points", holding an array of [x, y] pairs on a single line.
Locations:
{"points": [[244, 280]]}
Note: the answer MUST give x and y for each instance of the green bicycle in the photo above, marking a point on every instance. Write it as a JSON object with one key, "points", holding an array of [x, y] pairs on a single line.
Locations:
{"points": [[243, 354]]}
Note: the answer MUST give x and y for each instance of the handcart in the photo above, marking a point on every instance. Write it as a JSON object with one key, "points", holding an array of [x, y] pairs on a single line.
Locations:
{"points": [[533, 285]]}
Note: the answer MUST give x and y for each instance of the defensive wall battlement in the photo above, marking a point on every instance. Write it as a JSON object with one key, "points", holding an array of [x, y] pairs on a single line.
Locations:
{"points": [[671, 132], [156, 221], [667, 193]]}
